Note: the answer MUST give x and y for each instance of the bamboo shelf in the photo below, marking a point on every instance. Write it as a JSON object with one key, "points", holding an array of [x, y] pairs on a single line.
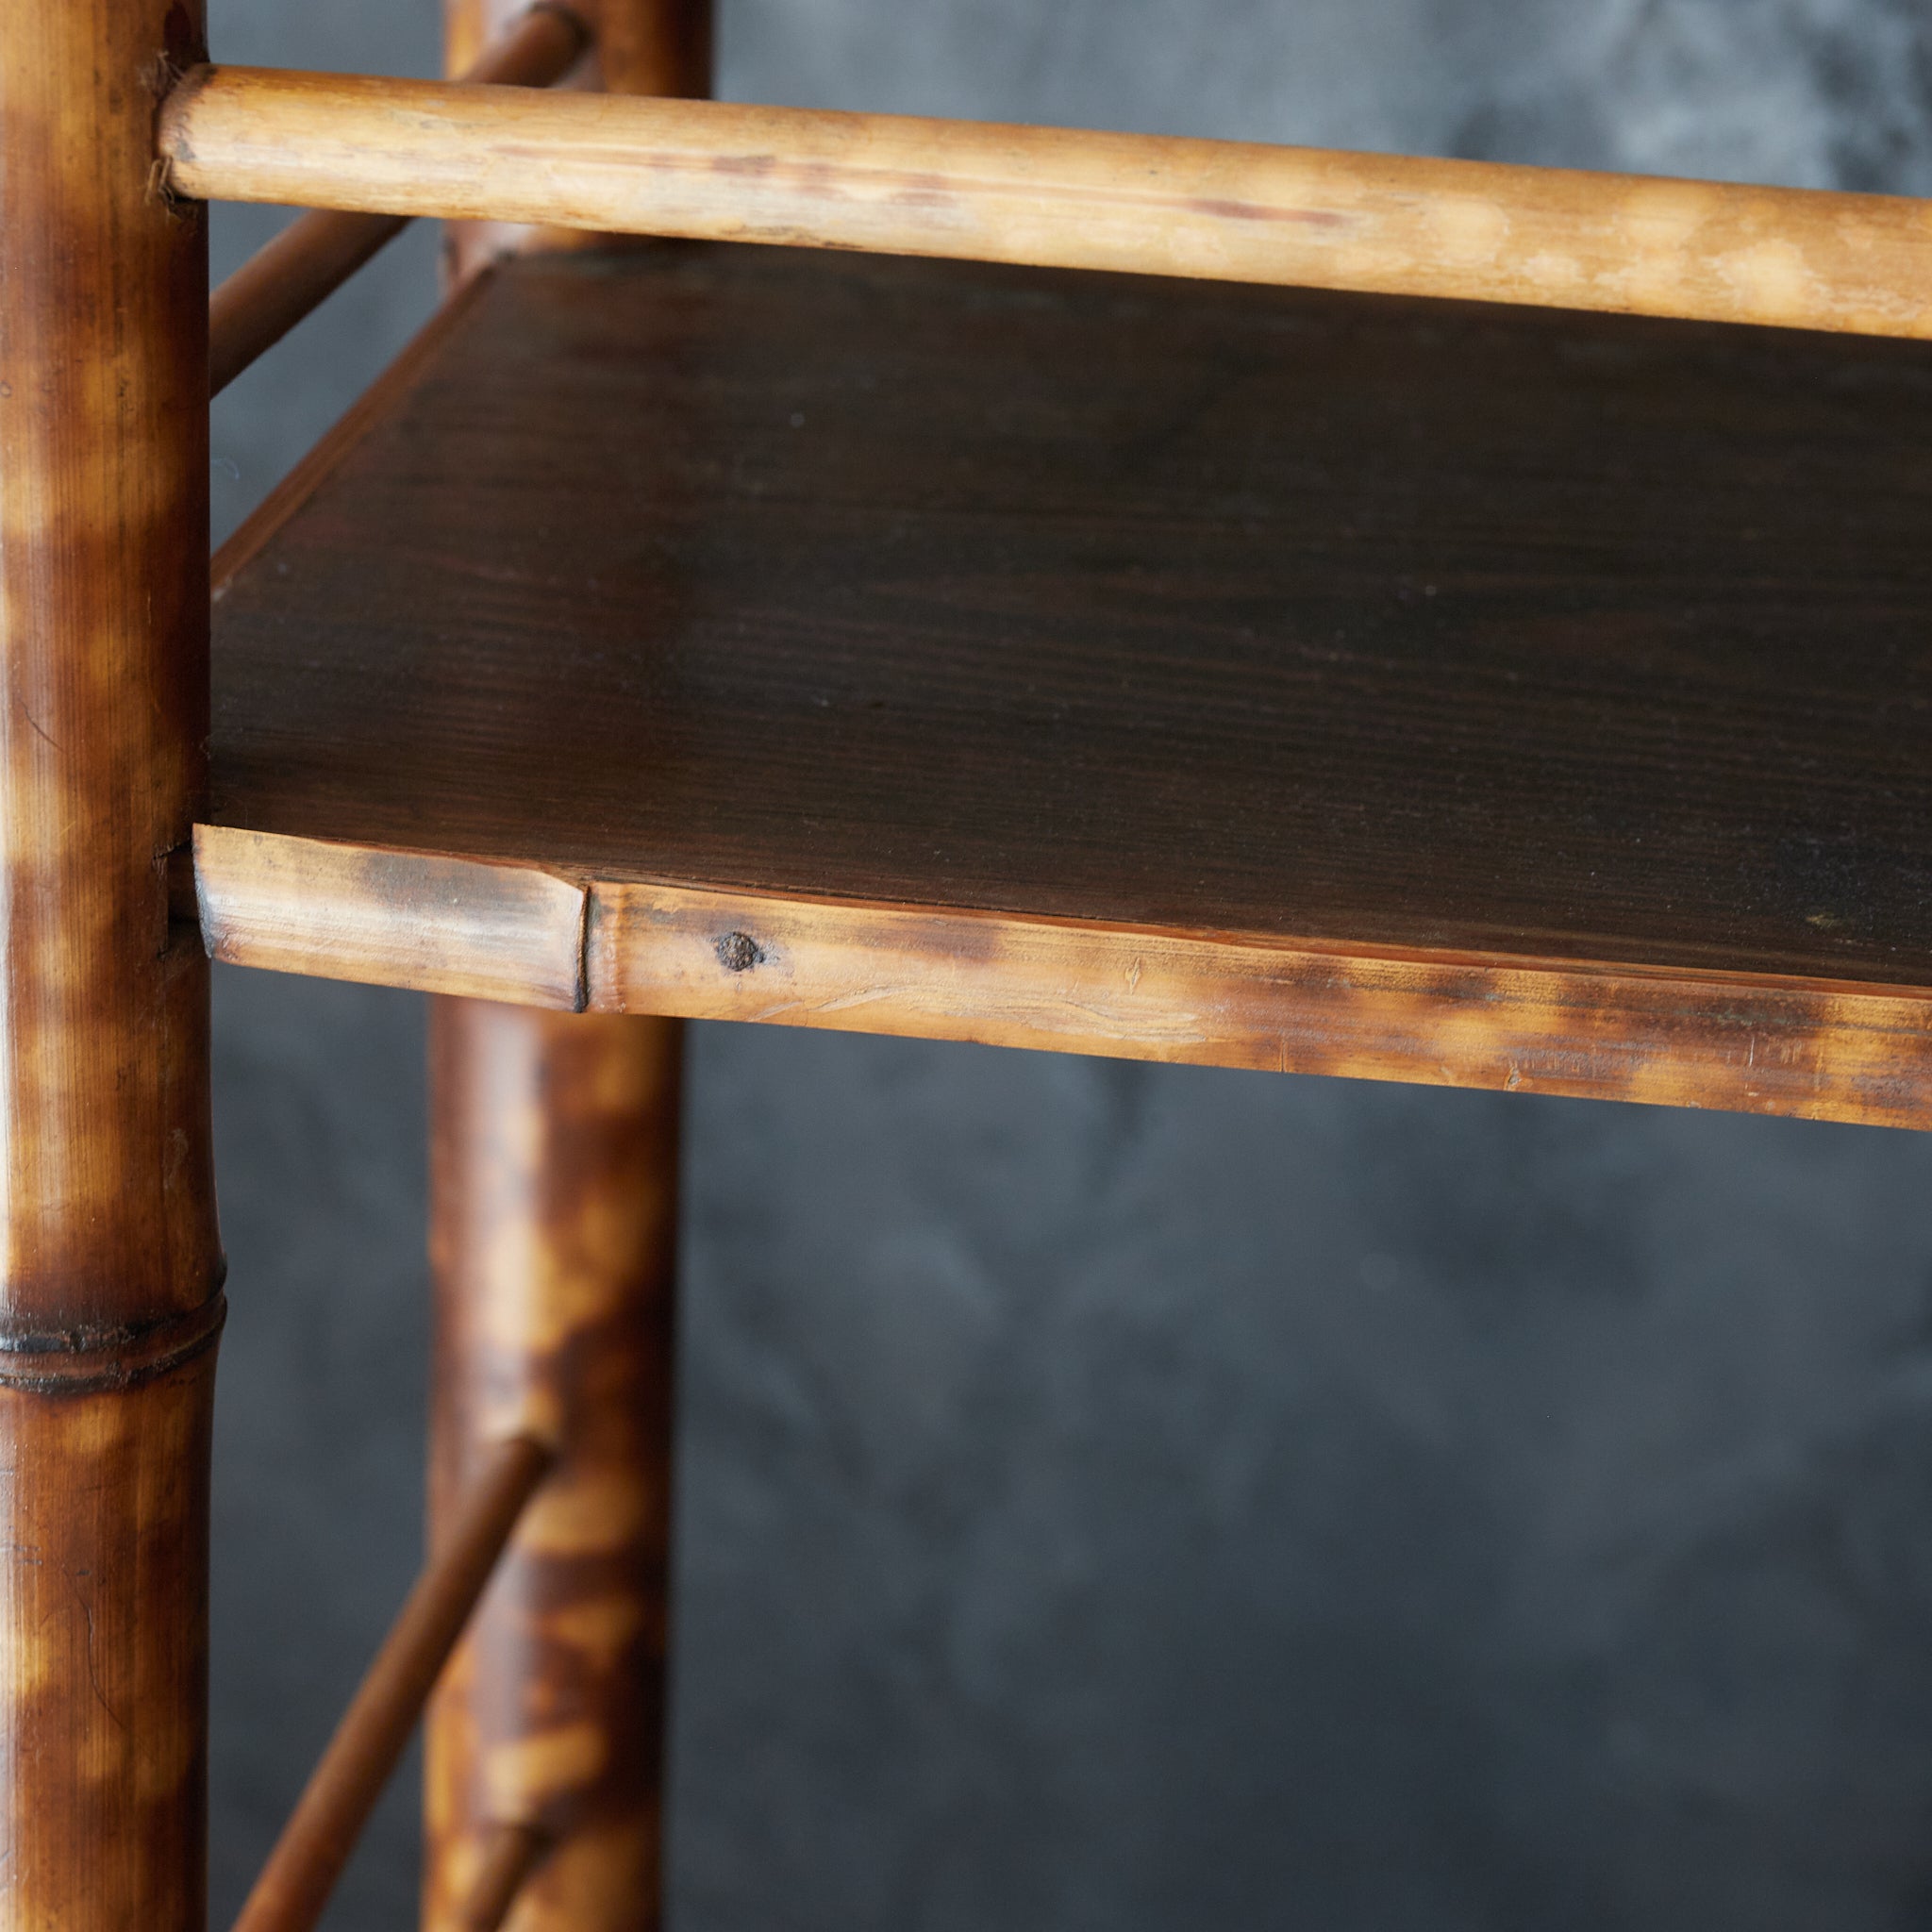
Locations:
{"points": [[1243, 675], [1297, 663]]}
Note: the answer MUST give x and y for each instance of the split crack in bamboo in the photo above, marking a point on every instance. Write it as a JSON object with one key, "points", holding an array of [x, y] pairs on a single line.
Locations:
{"points": [[1218, 210]]}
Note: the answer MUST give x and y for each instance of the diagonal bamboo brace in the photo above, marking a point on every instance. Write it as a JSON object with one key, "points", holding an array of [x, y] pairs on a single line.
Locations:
{"points": [[315, 1844]]}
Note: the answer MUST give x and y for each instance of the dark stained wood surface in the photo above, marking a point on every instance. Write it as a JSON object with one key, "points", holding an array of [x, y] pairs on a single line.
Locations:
{"points": [[1427, 631], [1212, 607]]}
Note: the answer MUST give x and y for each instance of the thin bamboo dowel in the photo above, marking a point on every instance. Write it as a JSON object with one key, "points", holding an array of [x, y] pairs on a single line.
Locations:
{"points": [[511, 1853], [313, 257], [322, 1832], [1217, 209]]}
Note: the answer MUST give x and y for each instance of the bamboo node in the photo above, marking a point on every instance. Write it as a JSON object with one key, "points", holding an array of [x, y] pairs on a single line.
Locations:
{"points": [[77, 1361]]}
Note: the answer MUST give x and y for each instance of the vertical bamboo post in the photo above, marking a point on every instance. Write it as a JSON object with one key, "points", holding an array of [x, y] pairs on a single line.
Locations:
{"points": [[554, 1217], [109, 1262], [553, 1182]]}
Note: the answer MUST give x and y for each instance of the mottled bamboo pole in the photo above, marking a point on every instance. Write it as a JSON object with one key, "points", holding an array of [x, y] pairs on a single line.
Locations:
{"points": [[1057, 197], [109, 1262], [554, 1177]]}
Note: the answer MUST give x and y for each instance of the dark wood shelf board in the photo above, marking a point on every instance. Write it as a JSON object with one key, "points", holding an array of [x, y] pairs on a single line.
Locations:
{"points": [[1390, 654]]}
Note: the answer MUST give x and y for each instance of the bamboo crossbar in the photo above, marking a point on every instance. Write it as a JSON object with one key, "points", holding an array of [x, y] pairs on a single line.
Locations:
{"points": [[315, 1844], [313, 257], [1222, 210]]}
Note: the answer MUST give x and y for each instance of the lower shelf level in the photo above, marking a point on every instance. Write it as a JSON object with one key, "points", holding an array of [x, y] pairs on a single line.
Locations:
{"points": [[1418, 691]]}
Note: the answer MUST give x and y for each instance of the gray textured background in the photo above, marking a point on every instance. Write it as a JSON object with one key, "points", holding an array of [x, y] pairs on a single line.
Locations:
{"points": [[1128, 1497]]}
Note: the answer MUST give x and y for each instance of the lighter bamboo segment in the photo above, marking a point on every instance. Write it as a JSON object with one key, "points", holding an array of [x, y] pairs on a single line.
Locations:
{"points": [[1215, 209], [313, 257], [309, 1857]]}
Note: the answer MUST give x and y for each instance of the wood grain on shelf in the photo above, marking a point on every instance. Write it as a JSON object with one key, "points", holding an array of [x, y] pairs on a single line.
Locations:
{"points": [[1418, 690], [371, 408], [1057, 197]]}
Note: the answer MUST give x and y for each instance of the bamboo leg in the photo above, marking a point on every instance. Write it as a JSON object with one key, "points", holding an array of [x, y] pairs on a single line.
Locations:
{"points": [[553, 1199], [109, 1263], [554, 1188]]}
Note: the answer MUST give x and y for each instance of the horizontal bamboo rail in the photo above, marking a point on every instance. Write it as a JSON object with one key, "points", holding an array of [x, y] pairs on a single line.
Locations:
{"points": [[315, 1844], [1216, 209], [313, 257]]}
